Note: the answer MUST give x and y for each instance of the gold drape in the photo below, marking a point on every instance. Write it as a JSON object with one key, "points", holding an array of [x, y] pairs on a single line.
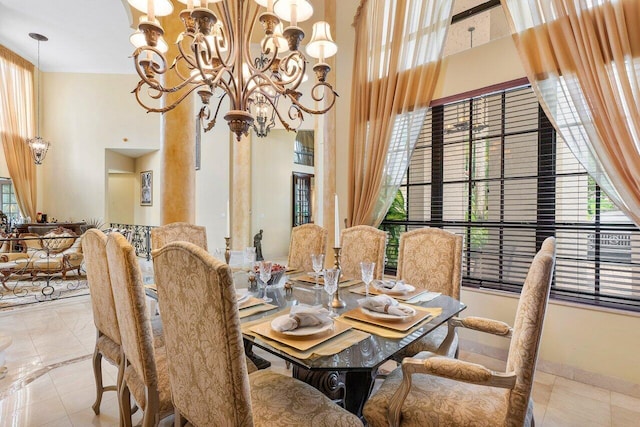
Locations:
{"points": [[397, 59], [583, 61], [16, 125]]}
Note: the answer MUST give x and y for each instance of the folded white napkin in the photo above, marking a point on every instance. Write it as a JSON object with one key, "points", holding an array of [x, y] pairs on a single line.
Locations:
{"points": [[300, 316], [386, 304], [395, 286]]}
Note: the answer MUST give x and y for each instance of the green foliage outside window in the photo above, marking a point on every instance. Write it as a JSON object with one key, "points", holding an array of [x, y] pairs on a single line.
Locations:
{"points": [[397, 212]]}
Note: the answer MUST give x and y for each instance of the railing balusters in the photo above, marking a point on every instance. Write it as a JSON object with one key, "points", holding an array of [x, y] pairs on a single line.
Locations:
{"points": [[138, 235]]}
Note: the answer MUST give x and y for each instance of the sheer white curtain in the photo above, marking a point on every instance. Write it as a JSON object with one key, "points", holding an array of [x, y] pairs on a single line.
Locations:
{"points": [[583, 60], [398, 49]]}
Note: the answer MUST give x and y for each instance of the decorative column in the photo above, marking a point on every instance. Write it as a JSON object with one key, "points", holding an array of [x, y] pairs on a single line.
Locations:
{"points": [[328, 121], [178, 174], [240, 191]]}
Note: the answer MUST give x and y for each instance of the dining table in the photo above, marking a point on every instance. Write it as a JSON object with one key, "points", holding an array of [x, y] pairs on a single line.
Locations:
{"points": [[345, 361]]}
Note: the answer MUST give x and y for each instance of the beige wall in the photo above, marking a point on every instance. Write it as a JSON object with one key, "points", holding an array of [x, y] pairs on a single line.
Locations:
{"points": [[84, 114], [120, 196]]}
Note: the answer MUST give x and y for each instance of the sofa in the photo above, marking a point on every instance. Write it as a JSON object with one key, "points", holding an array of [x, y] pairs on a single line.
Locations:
{"points": [[58, 251]]}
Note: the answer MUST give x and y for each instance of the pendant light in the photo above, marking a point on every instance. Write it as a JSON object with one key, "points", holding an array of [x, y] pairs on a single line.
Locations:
{"points": [[37, 145]]}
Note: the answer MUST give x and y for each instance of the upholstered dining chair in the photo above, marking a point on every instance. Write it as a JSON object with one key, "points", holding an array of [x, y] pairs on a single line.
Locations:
{"points": [[176, 231], [453, 392], [431, 258], [362, 243], [143, 364], [208, 376], [104, 310], [305, 240], [108, 342]]}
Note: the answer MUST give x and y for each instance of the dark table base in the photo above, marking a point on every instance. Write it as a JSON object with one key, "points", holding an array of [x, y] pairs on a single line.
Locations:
{"points": [[257, 360], [349, 389]]}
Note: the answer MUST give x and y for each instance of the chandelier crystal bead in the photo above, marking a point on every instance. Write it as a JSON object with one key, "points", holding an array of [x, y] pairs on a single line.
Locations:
{"points": [[215, 61]]}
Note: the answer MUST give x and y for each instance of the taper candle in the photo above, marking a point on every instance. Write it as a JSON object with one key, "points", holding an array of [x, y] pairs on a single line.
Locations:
{"points": [[228, 221], [337, 224]]}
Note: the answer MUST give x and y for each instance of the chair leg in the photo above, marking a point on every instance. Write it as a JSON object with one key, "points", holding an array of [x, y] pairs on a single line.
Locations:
{"points": [[151, 416], [178, 419], [125, 406], [97, 373], [124, 396]]}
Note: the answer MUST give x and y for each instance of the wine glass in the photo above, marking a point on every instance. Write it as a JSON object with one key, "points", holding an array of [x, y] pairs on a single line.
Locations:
{"points": [[265, 275], [318, 263], [249, 256], [366, 269], [331, 286]]}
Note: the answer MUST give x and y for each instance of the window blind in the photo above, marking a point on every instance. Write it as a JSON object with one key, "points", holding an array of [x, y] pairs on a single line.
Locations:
{"points": [[492, 169]]}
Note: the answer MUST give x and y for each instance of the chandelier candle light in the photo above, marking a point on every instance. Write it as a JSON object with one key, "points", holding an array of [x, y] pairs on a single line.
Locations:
{"points": [[214, 60], [37, 145]]}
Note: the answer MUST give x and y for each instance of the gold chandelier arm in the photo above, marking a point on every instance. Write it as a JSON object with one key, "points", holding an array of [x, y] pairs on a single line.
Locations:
{"points": [[212, 123], [166, 108], [286, 124], [293, 97], [188, 58], [291, 70]]}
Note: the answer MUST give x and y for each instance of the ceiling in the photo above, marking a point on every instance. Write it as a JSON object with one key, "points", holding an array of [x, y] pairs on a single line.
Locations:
{"points": [[85, 36]]}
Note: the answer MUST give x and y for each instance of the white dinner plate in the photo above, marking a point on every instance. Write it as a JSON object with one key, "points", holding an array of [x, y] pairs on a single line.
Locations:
{"points": [[386, 316], [242, 296], [408, 288], [306, 331]]}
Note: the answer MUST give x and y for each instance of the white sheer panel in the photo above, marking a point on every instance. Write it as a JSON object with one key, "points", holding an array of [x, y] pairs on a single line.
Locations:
{"points": [[582, 58]]}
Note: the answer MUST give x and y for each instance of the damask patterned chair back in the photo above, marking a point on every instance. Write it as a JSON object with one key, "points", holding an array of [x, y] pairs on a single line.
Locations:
{"points": [[94, 247], [207, 369], [179, 231], [362, 243], [527, 330], [431, 258], [305, 240], [141, 374]]}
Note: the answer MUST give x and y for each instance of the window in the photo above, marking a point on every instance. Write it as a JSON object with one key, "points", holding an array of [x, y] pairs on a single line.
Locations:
{"points": [[492, 169], [302, 196], [303, 153], [9, 205]]}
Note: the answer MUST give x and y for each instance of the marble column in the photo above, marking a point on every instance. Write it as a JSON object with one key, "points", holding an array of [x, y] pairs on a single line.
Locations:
{"points": [[240, 192], [328, 122], [178, 175]]}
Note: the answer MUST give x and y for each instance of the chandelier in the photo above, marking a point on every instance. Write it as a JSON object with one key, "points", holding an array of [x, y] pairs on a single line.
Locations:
{"points": [[38, 146], [215, 60]]}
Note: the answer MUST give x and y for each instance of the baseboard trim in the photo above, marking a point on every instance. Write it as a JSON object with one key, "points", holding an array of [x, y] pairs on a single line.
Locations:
{"points": [[566, 371]]}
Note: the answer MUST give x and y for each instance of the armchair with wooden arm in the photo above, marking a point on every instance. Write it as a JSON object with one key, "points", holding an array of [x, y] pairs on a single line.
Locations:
{"points": [[455, 392]]}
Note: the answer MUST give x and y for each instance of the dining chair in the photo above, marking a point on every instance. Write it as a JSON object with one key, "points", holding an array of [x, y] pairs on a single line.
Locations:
{"points": [[104, 310], [108, 341], [143, 364], [209, 381], [431, 258], [362, 243], [305, 240], [176, 231], [453, 392]]}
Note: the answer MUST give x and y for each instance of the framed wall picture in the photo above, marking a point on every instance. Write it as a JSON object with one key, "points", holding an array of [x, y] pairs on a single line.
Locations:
{"points": [[146, 188]]}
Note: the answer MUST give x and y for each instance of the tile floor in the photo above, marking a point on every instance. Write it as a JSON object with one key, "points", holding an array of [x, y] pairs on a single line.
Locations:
{"points": [[50, 380]]}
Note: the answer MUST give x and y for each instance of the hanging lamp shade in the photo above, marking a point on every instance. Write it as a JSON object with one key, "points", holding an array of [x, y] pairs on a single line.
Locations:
{"points": [[321, 45], [37, 145], [293, 11]]}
